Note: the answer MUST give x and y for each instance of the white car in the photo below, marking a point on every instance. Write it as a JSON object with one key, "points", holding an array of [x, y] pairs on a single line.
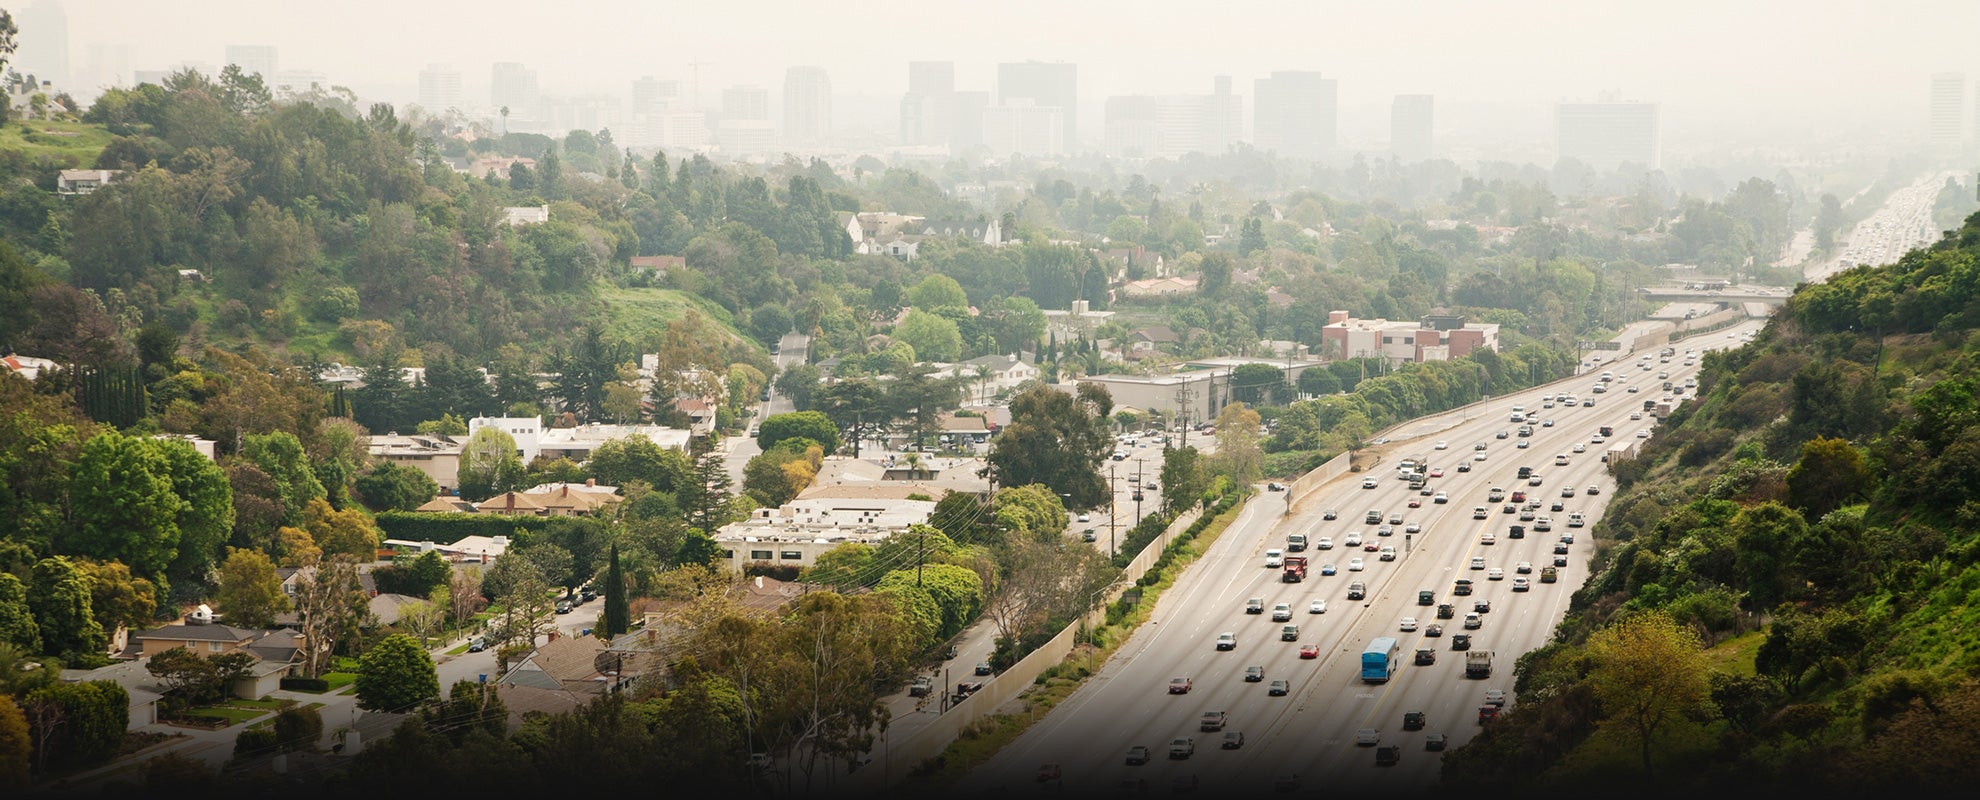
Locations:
{"points": [[1368, 483], [1352, 540], [1443, 445], [1354, 564], [1643, 434], [1478, 456], [1495, 574], [1275, 558], [1408, 624], [1388, 554], [1581, 448], [1523, 568], [1324, 543], [1477, 562], [1317, 607], [1488, 538]]}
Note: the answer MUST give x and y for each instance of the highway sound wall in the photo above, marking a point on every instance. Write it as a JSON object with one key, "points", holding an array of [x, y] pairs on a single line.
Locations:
{"points": [[1312, 481]]}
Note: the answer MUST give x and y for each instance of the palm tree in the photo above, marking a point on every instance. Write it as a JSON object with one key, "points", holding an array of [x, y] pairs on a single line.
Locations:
{"points": [[505, 120]]}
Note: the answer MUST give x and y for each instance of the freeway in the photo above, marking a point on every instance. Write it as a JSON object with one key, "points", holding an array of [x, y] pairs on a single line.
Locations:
{"points": [[1311, 731]]}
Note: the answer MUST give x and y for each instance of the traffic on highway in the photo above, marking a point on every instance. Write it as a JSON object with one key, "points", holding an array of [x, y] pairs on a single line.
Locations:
{"points": [[1341, 644]]}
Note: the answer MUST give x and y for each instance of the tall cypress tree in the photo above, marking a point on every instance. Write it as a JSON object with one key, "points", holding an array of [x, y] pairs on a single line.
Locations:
{"points": [[617, 613]]}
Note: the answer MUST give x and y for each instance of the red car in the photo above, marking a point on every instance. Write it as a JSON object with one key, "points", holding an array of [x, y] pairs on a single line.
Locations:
{"points": [[1415, 502], [1309, 651], [1437, 473], [1180, 685]]}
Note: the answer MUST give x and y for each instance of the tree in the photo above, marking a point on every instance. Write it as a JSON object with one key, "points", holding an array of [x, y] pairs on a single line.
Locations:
{"points": [[1182, 478], [16, 745], [619, 462], [1648, 670], [396, 675], [1030, 511], [933, 337], [207, 518], [124, 504], [936, 292], [281, 456], [520, 586], [60, 602], [1830, 474], [813, 425], [617, 616], [1056, 440], [706, 497], [348, 532], [77, 724], [17, 625], [199, 679], [1238, 451], [116, 597], [490, 465], [250, 593], [395, 487], [330, 603]]}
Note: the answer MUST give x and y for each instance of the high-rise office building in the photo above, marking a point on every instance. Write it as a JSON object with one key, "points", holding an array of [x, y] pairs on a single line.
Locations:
{"points": [[1179, 125], [109, 65], [1019, 127], [1412, 124], [439, 89], [254, 59], [807, 105], [1606, 135], [746, 102], [1295, 114], [1129, 127], [512, 86], [1044, 85], [931, 77], [1948, 108], [42, 43], [928, 109], [1223, 116], [966, 130]]}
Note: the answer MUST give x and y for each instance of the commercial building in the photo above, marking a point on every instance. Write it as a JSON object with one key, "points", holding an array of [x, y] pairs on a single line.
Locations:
{"points": [[1022, 128], [1948, 109], [1412, 125], [43, 40], [807, 105], [440, 89], [1045, 85], [799, 531], [253, 59], [1606, 135], [1295, 114], [1129, 127], [1436, 337]]}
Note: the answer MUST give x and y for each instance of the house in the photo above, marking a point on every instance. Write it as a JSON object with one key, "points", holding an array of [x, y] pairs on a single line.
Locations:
{"points": [[517, 216], [477, 549], [799, 531], [27, 367], [498, 166], [446, 505], [144, 688], [1436, 337], [387, 608], [1159, 287], [567, 672], [274, 650], [574, 499], [437, 455], [515, 504], [73, 182]]}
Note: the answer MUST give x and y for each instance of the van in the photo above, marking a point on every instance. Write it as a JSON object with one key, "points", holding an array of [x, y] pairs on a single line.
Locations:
{"points": [[1576, 520], [1426, 597]]}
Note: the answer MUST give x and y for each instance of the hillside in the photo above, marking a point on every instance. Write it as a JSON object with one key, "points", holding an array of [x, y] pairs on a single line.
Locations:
{"points": [[1808, 532]]}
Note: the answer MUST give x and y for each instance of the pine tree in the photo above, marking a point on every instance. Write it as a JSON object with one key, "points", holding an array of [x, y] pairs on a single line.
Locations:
{"points": [[709, 495]]}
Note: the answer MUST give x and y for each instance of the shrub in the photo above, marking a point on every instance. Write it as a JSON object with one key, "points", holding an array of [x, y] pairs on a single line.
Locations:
{"points": [[254, 743], [298, 728]]}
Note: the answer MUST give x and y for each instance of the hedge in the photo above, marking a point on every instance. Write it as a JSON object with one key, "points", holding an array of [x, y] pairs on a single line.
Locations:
{"points": [[448, 528], [306, 684]]}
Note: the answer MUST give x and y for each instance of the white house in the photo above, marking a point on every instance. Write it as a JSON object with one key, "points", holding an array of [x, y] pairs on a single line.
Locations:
{"points": [[526, 215], [83, 181]]}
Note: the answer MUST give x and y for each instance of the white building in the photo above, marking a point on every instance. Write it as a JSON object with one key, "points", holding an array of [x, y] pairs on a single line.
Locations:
{"points": [[516, 216], [1606, 135], [796, 533], [440, 89], [1022, 128], [1948, 109]]}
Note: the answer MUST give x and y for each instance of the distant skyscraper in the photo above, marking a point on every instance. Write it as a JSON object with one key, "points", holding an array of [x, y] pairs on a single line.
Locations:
{"points": [[109, 65], [254, 59], [439, 88], [1608, 134], [1223, 116], [1948, 108], [928, 110], [1054, 85], [967, 129], [512, 86], [1129, 127], [1411, 127], [43, 43], [807, 105], [1022, 128], [1179, 125], [1295, 114], [931, 77], [746, 102]]}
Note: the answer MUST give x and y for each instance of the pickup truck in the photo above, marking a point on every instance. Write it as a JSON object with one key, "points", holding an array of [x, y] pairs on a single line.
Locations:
{"points": [[1478, 664], [1357, 590], [922, 686], [1295, 569]]}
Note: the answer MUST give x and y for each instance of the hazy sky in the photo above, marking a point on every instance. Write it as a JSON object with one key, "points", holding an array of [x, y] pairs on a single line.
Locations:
{"points": [[1706, 61]]}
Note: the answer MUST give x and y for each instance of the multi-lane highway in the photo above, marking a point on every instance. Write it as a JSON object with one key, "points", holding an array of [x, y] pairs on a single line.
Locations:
{"points": [[1311, 731]]}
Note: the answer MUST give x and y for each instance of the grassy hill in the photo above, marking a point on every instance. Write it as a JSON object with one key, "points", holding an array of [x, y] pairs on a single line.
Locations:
{"points": [[72, 145]]}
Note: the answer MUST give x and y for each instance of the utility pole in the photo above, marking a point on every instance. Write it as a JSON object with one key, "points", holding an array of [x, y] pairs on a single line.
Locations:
{"points": [[1113, 510], [1182, 409]]}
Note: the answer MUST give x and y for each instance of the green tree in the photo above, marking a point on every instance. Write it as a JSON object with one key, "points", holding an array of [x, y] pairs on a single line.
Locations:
{"points": [[1032, 511], [207, 519], [250, 592], [1182, 478], [395, 487], [396, 675], [1238, 451], [281, 456], [1648, 671], [124, 504], [1057, 440], [490, 465], [618, 615], [620, 462], [60, 601], [117, 597], [77, 724], [196, 678], [813, 425], [16, 745], [1830, 474], [936, 292], [933, 337], [17, 625]]}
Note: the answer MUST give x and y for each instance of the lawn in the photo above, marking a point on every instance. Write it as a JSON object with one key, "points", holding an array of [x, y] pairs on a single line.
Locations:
{"points": [[72, 145], [641, 315], [339, 680]]}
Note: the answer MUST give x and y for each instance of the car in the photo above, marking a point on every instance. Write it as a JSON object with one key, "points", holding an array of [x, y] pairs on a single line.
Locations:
{"points": [[1443, 445], [1426, 656], [1435, 741], [1509, 508], [1560, 548], [1547, 423], [1567, 538], [1181, 685], [1386, 530], [1478, 446], [1408, 625], [1278, 688], [1593, 489], [1414, 527], [1643, 434], [1533, 480], [1275, 558], [1309, 651], [1354, 564], [1353, 539], [1460, 641], [1495, 697], [1502, 435], [1632, 390], [1212, 720], [1254, 674], [1182, 747], [1521, 585], [1368, 483], [1479, 512], [1441, 498], [1635, 415], [1387, 554], [1525, 443], [1560, 561], [478, 644], [1227, 641], [1519, 496], [1330, 514], [1433, 629], [1543, 524], [1567, 491], [564, 606], [1597, 439], [1282, 612], [1465, 467], [1473, 621], [1324, 543], [1477, 562], [1086, 518], [1367, 737], [1388, 755], [983, 668], [1317, 607], [1437, 472], [1275, 486], [1329, 569], [1523, 568], [1371, 546], [1446, 610], [1233, 740], [1461, 587], [1589, 403], [1487, 714], [1495, 574], [1580, 448], [1414, 720], [1137, 755], [1481, 605], [1255, 605], [1478, 456], [1557, 506], [1395, 519], [1416, 502], [1048, 772], [1488, 538]]}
